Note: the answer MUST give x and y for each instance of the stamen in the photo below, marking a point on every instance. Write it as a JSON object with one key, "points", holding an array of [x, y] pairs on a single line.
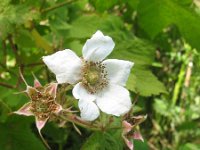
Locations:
{"points": [[94, 76], [43, 105]]}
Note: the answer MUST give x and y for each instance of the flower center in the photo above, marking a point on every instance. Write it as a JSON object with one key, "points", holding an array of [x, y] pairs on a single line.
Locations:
{"points": [[42, 105], [94, 76]]}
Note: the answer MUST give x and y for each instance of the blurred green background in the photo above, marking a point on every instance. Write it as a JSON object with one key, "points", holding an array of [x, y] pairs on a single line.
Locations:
{"points": [[162, 38]]}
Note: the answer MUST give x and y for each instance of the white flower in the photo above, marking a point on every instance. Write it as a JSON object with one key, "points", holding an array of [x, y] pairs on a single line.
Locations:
{"points": [[99, 83]]}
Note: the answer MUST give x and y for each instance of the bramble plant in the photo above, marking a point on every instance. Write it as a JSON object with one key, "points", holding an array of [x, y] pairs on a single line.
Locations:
{"points": [[98, 84], [99, 74]]}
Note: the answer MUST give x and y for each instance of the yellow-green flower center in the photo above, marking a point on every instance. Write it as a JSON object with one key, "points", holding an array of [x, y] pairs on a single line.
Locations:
{"points": [[94, 76]]}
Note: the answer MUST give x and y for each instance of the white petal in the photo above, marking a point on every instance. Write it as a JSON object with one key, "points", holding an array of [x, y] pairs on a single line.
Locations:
{"points": [[66, 65], [79, 92], [89, 110], [98, 47], [118, 70], [114, 100]]}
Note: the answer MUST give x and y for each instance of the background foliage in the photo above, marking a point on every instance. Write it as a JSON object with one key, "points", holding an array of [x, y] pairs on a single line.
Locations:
{"points": [[160, 36]]}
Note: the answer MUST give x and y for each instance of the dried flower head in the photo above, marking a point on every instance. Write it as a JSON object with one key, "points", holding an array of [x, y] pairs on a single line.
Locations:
{"points": [[42, 103]]}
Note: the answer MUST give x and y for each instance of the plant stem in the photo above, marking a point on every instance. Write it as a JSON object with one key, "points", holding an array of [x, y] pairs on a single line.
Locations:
{"points": [[78, 121], [74, 119], [57, 6], [7, 85], [178, 84], [4, 61], [15, 50]]}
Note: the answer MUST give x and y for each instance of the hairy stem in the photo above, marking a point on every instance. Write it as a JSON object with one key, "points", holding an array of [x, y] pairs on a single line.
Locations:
{"points": [[76, 120]]}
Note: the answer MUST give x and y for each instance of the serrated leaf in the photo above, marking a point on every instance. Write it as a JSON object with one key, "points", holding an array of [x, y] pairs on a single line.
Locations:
{"points": [[145, 83], [141, 79], [155, 15], [127, 47]]}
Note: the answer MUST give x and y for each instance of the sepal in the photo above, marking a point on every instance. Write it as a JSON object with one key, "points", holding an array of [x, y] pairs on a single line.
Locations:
{"points": [[25, 110]]}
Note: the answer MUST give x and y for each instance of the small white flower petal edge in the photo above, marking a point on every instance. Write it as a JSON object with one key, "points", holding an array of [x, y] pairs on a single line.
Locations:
{"points": [[66, 65], [79, 92], [89, 110], [118, 70], [98, 47], [114, 99]]}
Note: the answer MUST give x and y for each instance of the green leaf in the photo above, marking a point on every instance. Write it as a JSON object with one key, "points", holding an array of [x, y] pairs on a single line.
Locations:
{"points": [[24, 39], [12, 16], [84, 26], [141, 79], [155, 15], [102, 141], [145, 83], [139, 145], [190, 146], [59, 135], [103, 5], [161, 107], [4, 111], [127, 47], [9, 97], [17, 134], [133, 3]]}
